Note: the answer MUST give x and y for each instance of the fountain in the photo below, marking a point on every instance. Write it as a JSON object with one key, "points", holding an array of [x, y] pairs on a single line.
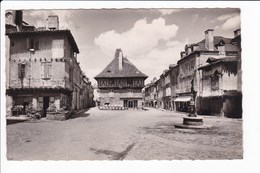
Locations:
{"points": [[192, 121]]}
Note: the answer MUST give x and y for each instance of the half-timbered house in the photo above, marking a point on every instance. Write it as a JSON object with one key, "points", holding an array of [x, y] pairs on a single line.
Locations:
{"points": [[120, 83]]}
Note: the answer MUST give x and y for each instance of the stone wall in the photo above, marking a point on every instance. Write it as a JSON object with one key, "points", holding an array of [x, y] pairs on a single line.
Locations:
{"points": [[34, 62], [116, 98]]}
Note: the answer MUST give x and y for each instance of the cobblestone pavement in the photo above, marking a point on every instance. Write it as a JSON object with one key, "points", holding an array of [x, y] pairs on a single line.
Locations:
{"points": [[124, 135]]}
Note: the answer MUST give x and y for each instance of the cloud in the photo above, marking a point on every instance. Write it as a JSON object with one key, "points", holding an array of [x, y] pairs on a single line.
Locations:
{"points": [[226, 16], [154, 62], [165, 12], [141, 38], [228, 22], [232, 23]]}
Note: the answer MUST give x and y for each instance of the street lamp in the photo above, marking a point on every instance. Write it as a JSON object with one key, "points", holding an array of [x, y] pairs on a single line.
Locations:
{"points": [[192, 112]]}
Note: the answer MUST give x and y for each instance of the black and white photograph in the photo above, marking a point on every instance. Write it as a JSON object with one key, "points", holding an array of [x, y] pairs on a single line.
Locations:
{"points": [[130, 84], [123, 84]]}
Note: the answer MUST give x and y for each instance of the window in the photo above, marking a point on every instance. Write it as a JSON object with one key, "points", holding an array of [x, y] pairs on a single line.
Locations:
{"points": [[221, 50], [57, 48], [71, 75], [111, 93], [111, 81], [21, 71], [129, 81], [46, 70], [52, 100], [32, 44], [215, 83]]}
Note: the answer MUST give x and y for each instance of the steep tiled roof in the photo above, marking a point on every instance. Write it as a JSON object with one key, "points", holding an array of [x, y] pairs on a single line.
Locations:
{"points": [[217, 39], [128, 70], [38, 32], [230, 48], [200, 46], [213, 61]]}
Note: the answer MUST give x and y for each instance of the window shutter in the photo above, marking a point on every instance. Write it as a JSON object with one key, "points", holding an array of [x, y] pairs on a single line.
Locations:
{"points": [[50, 70], [46, 71], [36, 44], [42, 70], [28, 43], [19, 71]]}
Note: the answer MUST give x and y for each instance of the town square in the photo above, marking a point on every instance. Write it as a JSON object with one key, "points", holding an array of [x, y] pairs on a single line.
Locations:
{"points": [[129, 87], [161, 95]]}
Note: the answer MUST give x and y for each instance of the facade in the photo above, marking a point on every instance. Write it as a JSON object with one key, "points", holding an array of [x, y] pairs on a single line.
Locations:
{"points": [[220, 92], [150, 94], [120, 83], [43, 69], [167, 90], [195, 56], [213, 67]]}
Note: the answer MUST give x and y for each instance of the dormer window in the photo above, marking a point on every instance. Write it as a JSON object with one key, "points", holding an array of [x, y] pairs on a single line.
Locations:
{"points": [[32, 44], [221, 47]]}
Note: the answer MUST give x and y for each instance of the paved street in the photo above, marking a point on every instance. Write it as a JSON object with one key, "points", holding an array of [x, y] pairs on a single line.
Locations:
{"points": [[124, 135]]}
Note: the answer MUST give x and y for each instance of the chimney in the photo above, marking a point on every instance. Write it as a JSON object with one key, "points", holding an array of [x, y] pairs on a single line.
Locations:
{"points": [[119, 54], [209, 39], [182, 54], [18, 17], [172, 66], [237, 32], [53, 22], [195, 47]]}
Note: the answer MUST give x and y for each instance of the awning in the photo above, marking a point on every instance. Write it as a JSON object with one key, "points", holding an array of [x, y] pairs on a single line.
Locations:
{"points": [[183, 99]]}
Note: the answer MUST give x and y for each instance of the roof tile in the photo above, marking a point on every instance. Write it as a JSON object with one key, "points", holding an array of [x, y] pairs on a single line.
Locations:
{"points": [[128, 70]]}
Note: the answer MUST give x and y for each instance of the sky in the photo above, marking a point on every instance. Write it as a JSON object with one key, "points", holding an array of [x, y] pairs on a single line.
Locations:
{"points": [[150, 38]]}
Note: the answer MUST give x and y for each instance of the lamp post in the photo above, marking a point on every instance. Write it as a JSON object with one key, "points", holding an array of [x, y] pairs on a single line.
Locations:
{"points": [[192, 101]]}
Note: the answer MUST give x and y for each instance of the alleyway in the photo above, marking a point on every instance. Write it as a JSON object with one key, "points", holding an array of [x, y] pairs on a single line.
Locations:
{"points": [[123, 135]]}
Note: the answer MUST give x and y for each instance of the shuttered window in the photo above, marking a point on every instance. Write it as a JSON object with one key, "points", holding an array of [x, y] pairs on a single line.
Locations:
{"points": [[215, 83], [21, 71], [32, 44], [57, 48], [46, 70]]}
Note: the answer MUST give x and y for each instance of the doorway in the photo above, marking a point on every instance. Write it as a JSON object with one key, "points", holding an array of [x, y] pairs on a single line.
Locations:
{"points": [[46, 101], [130, 104]]}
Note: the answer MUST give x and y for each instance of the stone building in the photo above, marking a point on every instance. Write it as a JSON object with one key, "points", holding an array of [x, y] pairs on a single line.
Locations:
{"points": [[150, 94], [120, 83], [220, 91], [86, 94], [161, 93], [195, 56], [214, 67], [166, 94], [43, 68], [174, 85]]}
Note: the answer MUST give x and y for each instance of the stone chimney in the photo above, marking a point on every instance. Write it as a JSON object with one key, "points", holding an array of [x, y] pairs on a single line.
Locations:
{"points": [[172, 66], [209, 39], [182, 54], [53, 22], [237, 32], [119, 54], [18, 17], [14, 18]]}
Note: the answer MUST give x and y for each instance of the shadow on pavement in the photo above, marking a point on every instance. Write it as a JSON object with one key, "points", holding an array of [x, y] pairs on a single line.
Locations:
{"points": [[79, 115]]}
